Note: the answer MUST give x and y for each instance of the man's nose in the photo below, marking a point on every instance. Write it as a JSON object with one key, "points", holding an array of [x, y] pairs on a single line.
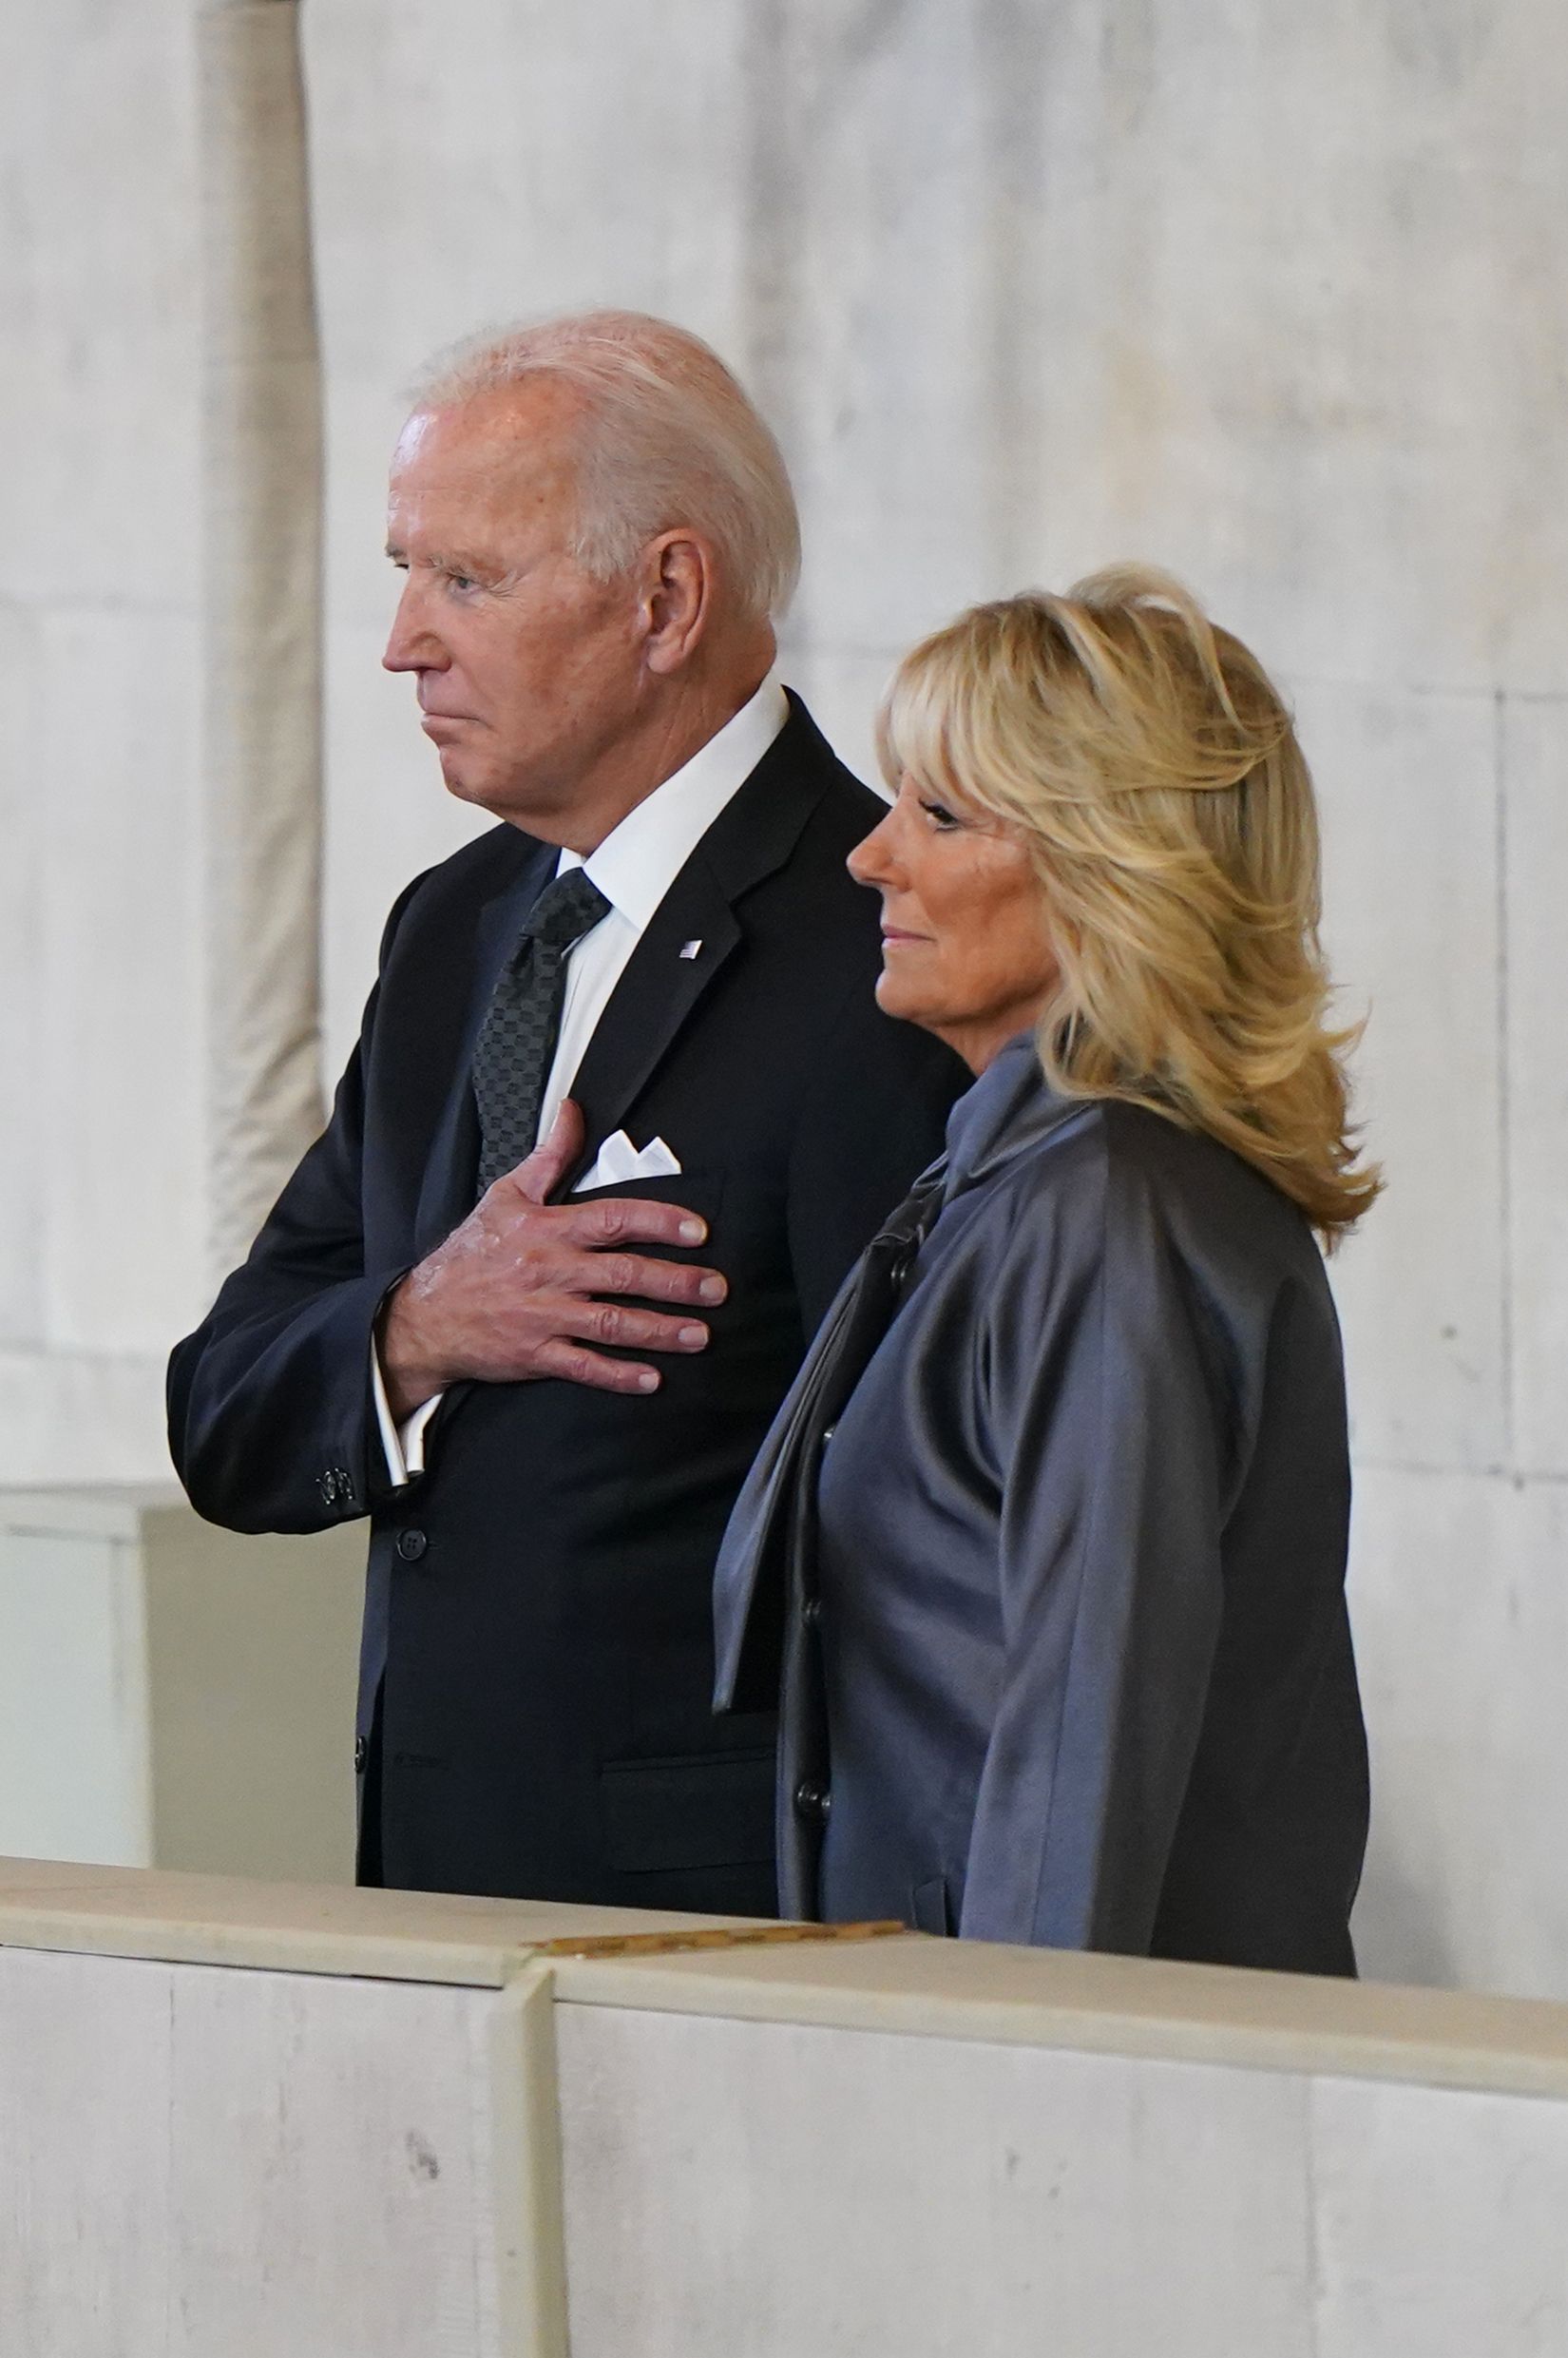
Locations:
{"points": [[410, 644]]}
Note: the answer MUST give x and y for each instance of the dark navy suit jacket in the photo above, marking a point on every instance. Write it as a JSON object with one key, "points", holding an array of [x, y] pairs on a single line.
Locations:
{"points": [[538, 1660]]}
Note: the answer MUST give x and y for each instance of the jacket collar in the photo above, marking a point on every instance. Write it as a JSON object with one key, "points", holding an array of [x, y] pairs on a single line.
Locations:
{"points": [[1006, 1112]]}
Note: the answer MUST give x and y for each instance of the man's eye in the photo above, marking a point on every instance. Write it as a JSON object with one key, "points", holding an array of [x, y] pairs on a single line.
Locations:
{"points": [[462, 581]]}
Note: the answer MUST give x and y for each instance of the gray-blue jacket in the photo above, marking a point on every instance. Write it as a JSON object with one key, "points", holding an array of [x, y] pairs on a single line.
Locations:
{"points": [[1079, 1669]]}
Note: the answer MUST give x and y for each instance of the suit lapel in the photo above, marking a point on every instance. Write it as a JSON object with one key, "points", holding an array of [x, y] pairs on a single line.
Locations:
{"points": [[653, 999], [752, 836], [447, 1194]]}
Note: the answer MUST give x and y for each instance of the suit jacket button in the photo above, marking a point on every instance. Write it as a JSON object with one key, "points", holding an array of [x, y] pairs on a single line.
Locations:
{"points": [[810, 1612], [412, 1545], [812, 1802], [360, 1749]]}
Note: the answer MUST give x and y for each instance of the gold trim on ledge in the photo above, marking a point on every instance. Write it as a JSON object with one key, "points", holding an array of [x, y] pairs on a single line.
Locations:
{"points": [[715, 1936]]}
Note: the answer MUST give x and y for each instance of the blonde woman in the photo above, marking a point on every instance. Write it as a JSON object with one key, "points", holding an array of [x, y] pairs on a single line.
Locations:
{"points": [[1048, 1541]]}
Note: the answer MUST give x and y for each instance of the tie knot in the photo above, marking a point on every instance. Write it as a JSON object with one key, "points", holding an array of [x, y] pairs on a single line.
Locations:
{"points": [[566, 909]]}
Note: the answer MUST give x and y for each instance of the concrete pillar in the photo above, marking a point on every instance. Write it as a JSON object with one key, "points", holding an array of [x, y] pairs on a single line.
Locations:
{"points": [[261, 650]]}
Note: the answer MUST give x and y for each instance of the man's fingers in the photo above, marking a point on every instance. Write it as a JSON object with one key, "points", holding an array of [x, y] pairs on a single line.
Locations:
{"points": [[553, 1157], [649, 1281], [575, 1365], [626, 1329], [634, 1219]]}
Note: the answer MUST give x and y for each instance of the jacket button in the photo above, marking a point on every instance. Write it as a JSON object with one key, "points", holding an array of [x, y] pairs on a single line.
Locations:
{"points": [[360, 1749], [810, 1612], [412, 1545], [812, 1802]]}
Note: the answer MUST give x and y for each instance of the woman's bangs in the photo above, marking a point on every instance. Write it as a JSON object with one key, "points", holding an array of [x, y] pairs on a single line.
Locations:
{"points": [[920, 715]]}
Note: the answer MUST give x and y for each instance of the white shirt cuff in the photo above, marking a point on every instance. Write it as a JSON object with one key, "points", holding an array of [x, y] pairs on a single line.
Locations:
{"points": [[403, 1446]]}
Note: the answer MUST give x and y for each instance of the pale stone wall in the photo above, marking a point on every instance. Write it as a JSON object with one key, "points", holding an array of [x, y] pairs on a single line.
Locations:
{"points": [[100, 1212], [382, 2124], [1277, 298]]}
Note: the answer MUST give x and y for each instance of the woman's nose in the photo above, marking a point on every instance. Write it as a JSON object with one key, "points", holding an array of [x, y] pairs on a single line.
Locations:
{"points": [[869, 862]]}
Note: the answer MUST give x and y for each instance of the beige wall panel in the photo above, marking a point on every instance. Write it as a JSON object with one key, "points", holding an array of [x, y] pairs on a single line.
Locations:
{"points": [[878, 259], [81, 1417], [98, 548], [1459, 1597], [175, 1696], [74, 1702], [1439, 2223], [268, 2166], [254, 1650], [1535, 759], [1240, 295], [1410, 892], [23, 1179], [99, 393], [776, 2190], [119, 1011], [86, 2224]]}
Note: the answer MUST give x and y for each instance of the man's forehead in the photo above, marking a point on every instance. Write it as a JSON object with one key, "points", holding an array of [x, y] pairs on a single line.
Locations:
{"points": [[481, 471], [502, 425]]}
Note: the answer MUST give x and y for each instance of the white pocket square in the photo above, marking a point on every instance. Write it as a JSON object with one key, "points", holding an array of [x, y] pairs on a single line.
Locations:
{"points": [[619, 1160]]}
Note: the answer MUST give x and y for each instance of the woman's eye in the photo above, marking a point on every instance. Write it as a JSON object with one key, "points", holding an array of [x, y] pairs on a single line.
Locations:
{"points": [[940, 817]]}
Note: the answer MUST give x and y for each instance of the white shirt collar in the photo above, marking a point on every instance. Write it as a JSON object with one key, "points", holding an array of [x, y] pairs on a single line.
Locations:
{"points": [[637, 861]]}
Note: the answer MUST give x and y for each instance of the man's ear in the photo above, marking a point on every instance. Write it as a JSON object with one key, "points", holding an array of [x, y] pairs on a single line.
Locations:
{"points": [[677, 599]]}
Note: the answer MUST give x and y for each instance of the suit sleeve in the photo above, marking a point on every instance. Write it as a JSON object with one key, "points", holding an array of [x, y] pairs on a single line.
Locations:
{"points": [[874, 1114], [1109, 1435], [271, 1418]]}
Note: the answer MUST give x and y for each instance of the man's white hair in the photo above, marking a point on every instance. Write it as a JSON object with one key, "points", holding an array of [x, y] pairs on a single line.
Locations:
{"points": [[667, 438]]}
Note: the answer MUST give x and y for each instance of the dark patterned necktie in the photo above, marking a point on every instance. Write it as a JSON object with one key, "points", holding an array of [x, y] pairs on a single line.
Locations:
{"points": [[517, 1040]]}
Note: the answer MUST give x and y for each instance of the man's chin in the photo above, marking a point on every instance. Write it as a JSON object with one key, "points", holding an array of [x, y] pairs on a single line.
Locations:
{"points": [[465, 782]]}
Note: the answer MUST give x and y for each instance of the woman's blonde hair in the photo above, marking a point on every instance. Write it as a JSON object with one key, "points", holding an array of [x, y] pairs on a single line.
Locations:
{"points": [[1153, 773]]}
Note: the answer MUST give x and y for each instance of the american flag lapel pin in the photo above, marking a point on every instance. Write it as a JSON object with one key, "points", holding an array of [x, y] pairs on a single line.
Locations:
{"points": [[689, 949]]}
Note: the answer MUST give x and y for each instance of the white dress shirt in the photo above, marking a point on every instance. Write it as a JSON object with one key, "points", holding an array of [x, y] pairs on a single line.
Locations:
{"points": [[634, 868]]}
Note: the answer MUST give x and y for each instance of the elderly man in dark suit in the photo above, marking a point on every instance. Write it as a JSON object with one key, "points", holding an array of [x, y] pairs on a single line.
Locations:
{"points": [[622, 1113]]}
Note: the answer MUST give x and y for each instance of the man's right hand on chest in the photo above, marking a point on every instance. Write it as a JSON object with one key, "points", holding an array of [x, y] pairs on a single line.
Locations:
{"points": [[517, 1291]]}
